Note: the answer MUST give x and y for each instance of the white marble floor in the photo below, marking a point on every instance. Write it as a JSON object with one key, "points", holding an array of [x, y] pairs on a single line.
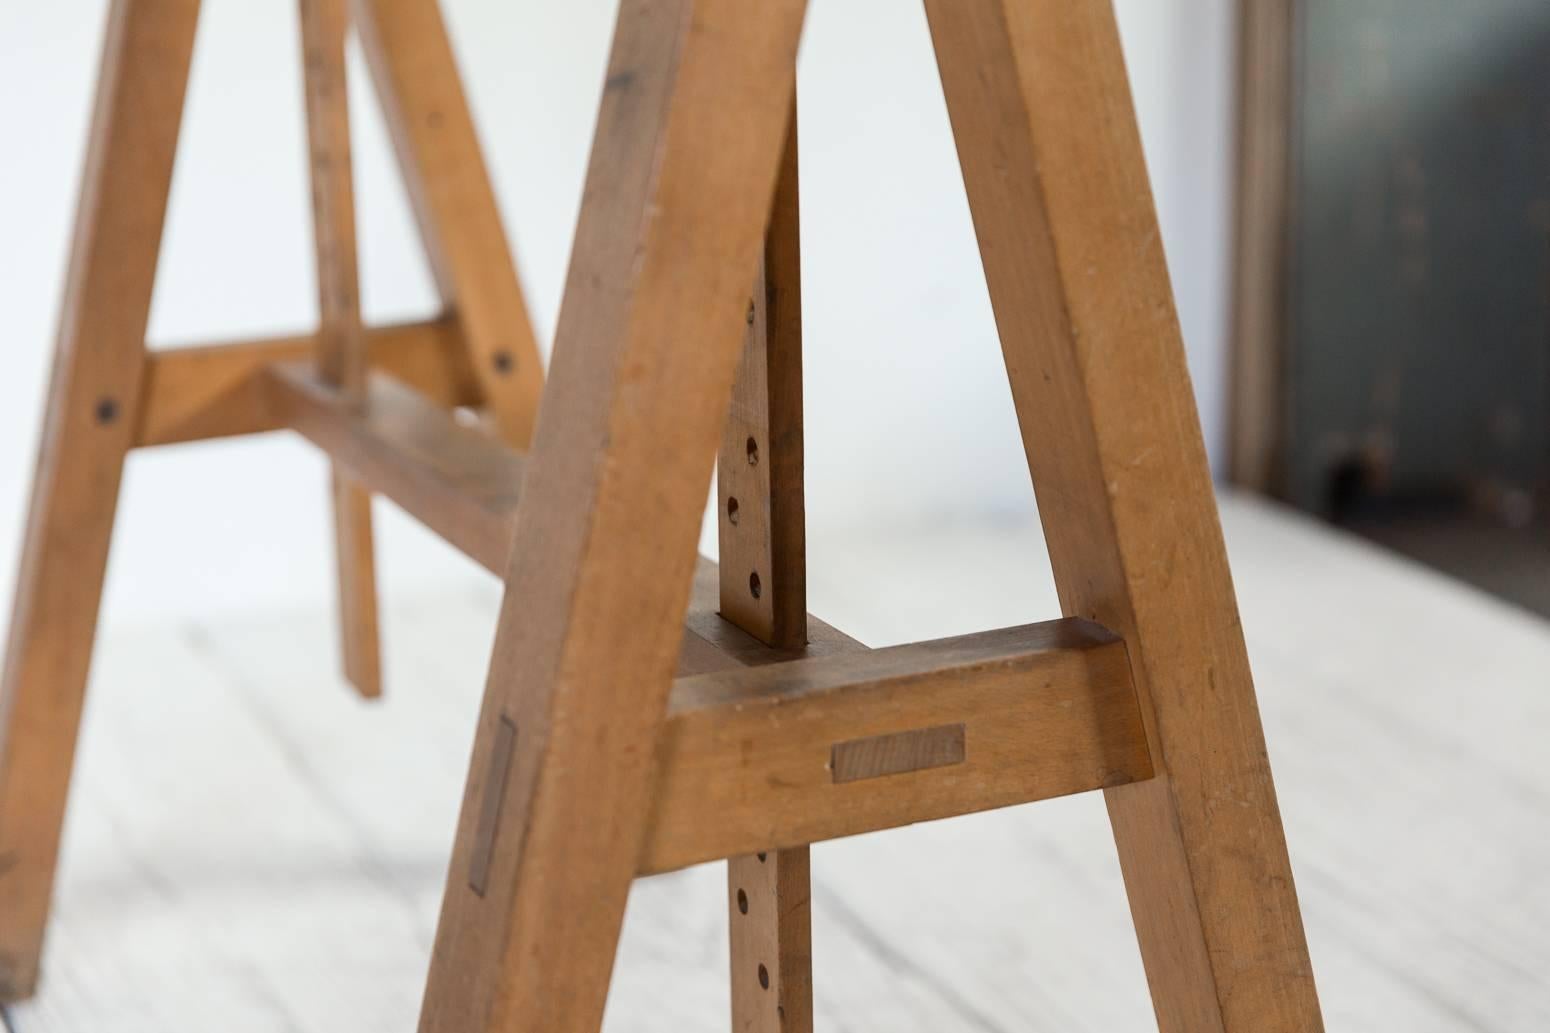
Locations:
{"points": [[252, 849]]}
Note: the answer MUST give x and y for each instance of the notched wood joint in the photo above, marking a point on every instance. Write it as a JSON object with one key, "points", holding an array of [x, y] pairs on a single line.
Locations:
{"points": [[937, 747], [490, 807]]}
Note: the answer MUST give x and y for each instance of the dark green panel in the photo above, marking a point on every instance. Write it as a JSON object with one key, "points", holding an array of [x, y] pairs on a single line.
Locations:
{"points": [[1418, 356]]}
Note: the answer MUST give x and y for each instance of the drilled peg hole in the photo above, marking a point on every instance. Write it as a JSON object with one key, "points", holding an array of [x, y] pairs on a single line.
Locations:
{"points": [[107, 411], [753, 584], [732, 509], [753, 452], [503, 362], [761, 858], [742, 902], [764, 977]]}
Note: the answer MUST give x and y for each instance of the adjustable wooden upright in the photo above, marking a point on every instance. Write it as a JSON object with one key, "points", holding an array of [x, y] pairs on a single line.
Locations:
{"points": [[646, 710]]}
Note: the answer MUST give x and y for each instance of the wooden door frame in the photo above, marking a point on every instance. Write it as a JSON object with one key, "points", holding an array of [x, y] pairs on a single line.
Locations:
{"points": [[1258, 345]]}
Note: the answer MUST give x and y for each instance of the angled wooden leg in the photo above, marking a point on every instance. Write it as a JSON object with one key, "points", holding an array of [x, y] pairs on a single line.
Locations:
{"points": [[355, 573], [555, 812], [93, 406], [1039, 102], [763, 570], [341, 343], [415, 72]]}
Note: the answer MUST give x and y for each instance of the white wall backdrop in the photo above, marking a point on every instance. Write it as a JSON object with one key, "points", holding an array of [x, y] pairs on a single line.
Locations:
{"points": [[909, 415]]}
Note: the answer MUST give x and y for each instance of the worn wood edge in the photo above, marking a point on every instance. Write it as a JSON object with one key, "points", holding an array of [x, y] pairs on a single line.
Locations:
{"points": [[1048, 710], [204, 391]]}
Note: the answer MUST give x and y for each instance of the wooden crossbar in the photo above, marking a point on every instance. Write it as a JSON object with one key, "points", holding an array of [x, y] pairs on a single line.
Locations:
{"points": [[1037, 711], [220, 390], [755, 758], [767, 748], [459, 482], [464, 485]]}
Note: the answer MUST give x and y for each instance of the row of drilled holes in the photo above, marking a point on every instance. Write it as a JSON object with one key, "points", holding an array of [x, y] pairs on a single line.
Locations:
{"points": [[754, 587], [742, 908]]}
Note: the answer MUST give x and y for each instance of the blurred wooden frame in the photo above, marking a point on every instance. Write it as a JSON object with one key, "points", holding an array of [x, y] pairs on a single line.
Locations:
{"points": [[110, 393], [1266, 54]]}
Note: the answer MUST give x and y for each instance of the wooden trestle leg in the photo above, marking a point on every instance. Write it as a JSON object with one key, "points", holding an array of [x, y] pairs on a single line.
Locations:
{"points": [[557, 805], [341, 341], [1040, 106], [91, 416], [415, 73]]}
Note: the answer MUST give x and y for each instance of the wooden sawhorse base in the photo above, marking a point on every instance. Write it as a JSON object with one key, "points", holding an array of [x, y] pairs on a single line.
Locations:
{"points": [[645, 711], [109, 393]]}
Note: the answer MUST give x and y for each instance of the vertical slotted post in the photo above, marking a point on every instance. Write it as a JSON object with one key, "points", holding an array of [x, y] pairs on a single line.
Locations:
{"points": [[415, 73], [89, 425], [555, 812], [764, 592], [341, 344], [1040, 106]]}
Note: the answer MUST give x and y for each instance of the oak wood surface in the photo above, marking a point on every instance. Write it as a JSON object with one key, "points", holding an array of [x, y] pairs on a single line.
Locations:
{"points": [[762, 525], [414, 69], [93, 395], [205, 391], [341, 354], [898, 753], [684, 162], [746, 755], [762, 531], [457, 481], [355, 570], [712, 643], [1040, 107], [770, 922]]}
